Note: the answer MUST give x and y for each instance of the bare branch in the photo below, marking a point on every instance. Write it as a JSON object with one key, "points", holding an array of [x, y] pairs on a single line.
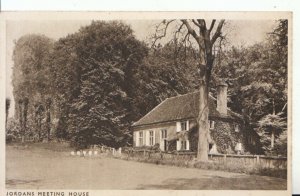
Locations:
{"points": [[184, 40], [284, 107], [218, 32], [190, 30], [202, 24], [196, 23], [178, 31], [158, 37], [212, 25]]}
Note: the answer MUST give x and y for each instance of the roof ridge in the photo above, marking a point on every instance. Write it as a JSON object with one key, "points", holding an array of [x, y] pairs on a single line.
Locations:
{"points": [[183, 94]]}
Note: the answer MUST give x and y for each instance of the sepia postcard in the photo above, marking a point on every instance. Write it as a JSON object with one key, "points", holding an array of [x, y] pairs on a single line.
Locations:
{"points": [[131, 103]]}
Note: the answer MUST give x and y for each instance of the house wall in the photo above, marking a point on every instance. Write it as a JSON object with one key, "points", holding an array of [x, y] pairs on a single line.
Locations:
{"points": [[223, 136], [227, 138], [169, 126]]}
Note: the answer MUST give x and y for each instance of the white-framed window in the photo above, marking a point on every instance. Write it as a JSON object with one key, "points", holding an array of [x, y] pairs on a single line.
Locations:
{"points": [[164, 134], [211, 124], [141, 138], [236, 128], [151, 138], [183, 126], [183, 145]]}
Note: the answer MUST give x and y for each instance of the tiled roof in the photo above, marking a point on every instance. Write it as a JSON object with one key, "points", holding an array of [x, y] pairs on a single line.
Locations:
{"points": [[181, 107]]}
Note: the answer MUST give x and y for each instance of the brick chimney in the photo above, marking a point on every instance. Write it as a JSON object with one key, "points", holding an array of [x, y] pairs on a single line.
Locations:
{"points": [[222, 98]]}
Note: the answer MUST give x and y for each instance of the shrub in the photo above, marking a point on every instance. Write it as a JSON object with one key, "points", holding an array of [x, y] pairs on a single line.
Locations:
{"points": [[13, 130]]}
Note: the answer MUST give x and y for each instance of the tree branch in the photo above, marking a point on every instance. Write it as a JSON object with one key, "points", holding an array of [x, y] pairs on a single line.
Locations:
{"points": [[178, 31], [191, 30], [202, 24], [218, 32], [158, 37], [196, 23], [212, 25], [185, 39]]}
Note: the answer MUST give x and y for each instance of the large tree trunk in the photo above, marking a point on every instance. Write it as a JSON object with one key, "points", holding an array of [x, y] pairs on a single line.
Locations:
{"points": [[202, 153], [206, 58]]}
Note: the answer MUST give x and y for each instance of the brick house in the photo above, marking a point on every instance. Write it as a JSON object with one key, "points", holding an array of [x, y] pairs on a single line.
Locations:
{"points": [[172, 125]]}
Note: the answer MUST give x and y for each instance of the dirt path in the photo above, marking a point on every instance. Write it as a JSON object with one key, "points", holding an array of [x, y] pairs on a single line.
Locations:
{"points": [[44, 169]]}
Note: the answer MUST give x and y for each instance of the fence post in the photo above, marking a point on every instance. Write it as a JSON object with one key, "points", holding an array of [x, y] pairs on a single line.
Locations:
{"points": [[144, 152], [257, 159], [225, 158]]}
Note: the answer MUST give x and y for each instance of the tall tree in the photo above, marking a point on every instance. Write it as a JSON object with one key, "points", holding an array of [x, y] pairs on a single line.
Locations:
{"points": [[93, 76], [205, 38], [29, 75]]}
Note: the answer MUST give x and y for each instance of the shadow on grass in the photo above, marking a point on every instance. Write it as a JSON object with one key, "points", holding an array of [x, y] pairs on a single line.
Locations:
{"points": [[219, 183], [15, 182]]}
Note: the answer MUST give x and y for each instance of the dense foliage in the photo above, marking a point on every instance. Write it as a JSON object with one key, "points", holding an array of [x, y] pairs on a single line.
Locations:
{"points": [[90, 86], [257, 78], [31, 79]]}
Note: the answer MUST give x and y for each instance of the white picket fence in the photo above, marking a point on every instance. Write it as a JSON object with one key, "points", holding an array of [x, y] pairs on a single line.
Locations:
{"points": [[97, 151]]}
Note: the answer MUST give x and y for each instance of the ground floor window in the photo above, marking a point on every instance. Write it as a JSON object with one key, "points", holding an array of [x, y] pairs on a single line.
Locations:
{"points": [[164, 134], [251, 140], [141, 138], [183, 145], [151, 138]]}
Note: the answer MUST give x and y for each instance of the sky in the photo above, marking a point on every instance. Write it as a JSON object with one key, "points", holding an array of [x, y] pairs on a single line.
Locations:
{"points": [[239, 32]]}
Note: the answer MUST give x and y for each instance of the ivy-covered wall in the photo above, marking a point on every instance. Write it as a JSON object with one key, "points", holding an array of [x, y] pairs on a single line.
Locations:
{"points": [[225, 137]]}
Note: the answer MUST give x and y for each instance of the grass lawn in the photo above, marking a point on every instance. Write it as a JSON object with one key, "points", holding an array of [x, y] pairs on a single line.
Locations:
{"points": [[48, 166]]}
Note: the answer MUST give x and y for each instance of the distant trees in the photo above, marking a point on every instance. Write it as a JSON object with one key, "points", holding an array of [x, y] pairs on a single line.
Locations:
{"points": [[30, 82], [257, 76]]}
